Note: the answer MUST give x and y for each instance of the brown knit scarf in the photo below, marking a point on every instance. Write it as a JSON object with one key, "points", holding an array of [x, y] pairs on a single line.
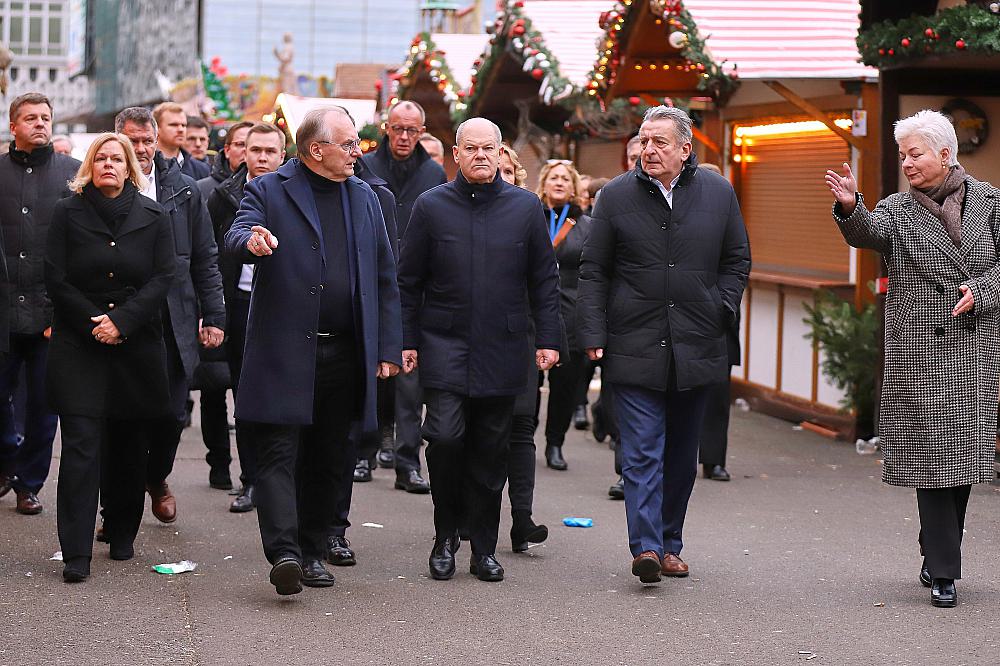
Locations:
{"points": [[945, 202]]}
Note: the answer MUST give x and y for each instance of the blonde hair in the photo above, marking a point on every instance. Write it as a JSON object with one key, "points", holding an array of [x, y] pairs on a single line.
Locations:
{"points": [[573, 174], [86, 172], [520, 173], [167, 107]]}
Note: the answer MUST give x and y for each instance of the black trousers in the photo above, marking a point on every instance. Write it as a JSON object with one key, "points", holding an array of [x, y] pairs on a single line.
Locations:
{"points": [[107, 457], [942, 519], [563, 397], [467, 444], [408, 408], [521, 459], [301, 468], [165, 440], [714, 439], [246, 448], [215, 425], [583, 382]]}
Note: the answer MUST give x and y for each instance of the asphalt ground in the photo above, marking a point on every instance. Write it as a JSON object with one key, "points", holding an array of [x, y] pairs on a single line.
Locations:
{"points": [[804, 557]]}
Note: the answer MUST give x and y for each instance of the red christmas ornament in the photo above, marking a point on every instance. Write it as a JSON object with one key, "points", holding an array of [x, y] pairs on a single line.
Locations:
{"points": [[892, 52], [461, 93], [905, 41], [378, 84], [929, 32], [881, 51], [519, 4], [960, 44], [634, 101], [538, 72], [517, 30]]}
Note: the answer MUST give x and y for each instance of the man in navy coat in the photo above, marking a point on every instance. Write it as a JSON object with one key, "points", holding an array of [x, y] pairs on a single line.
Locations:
{"points": [[324, 325], [476, 269]]}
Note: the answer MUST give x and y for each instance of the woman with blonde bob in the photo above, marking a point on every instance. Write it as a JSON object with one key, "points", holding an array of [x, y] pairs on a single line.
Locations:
{"points": [[560, 189], [938, 416], [109, 264]]}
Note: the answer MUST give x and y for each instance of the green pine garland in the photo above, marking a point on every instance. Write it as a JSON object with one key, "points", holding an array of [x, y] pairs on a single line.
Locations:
{"points": [[440, 74], [964, 29]]}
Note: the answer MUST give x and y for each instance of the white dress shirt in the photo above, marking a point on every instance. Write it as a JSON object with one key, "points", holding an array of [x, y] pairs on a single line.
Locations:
{"points": [[150, 189], [668, 194]]}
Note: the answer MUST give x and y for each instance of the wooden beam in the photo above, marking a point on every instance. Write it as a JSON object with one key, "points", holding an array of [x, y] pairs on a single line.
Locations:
{"points": [[815, 112]]}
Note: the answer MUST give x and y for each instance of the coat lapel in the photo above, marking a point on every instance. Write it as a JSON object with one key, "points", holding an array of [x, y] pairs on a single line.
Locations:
{"points": [[975, 216], [301, 194], [84, 215], [935, 232], [139, 215]]}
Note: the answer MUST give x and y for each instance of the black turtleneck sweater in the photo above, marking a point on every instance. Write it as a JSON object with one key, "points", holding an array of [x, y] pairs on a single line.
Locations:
{"points": [[336, 300]]}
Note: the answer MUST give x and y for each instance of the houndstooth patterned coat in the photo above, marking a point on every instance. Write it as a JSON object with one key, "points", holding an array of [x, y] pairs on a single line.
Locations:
{"points": [[938, 422]]}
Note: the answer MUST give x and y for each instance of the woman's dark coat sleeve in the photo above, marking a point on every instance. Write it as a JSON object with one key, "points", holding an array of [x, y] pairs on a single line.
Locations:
{"points": [[64, 295]]}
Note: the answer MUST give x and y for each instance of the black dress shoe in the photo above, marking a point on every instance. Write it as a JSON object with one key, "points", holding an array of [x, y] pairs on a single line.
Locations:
{"points": [[314, 574], [554, 458], [286, 575], [339, 553], [580, 421], [412, 482], [76, 569], [244, 501], [6, 483], [386, 458], [442, 559], [524, 531], [925, 575], [122, 551], [220, 479], [362, 471], [486, 568], [101, 536], [617, 489], [600, 429], [715, 472], [943, 593]]}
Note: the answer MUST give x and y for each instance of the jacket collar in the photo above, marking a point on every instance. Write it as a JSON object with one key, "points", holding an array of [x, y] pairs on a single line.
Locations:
{"points": [[384, 154], [220, 168], [687, 171], [144, 212], [299, 191], [232, 187], [367, 174], [479, 194], [975, 221], [36, 157]]}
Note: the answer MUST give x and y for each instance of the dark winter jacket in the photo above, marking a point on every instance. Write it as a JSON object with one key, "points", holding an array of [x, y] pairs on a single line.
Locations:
{"points": [[426, 174], [476, 267], [30, 186], [568, 256], [661, 286], [220, 171], [386, 200], [193, 167], [223, 204]]}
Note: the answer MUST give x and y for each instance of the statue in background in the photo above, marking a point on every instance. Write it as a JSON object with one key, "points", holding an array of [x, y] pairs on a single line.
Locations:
{"points": [[286, 73]]}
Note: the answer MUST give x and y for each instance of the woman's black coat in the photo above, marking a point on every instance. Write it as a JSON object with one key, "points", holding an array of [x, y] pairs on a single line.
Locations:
{"points": [[568, 256], [126, 274]]}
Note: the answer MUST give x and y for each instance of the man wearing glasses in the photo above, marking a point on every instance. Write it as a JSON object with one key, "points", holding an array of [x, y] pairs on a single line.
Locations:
{"points": [[404, 163], [324, 325]]}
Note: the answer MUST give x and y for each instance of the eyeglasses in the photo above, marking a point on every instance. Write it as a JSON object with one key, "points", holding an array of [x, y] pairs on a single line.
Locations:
{"points": [[565, 162], [399, 129], [348, 147]]}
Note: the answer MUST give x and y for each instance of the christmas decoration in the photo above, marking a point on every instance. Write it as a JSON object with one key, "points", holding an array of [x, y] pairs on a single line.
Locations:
{"points": [[968, 28], [425, 57], [681, 33], [216, 91]]}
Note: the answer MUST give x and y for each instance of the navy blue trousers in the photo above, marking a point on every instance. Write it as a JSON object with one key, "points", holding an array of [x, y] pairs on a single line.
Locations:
{"points": [[31, 460], [659, 445]]}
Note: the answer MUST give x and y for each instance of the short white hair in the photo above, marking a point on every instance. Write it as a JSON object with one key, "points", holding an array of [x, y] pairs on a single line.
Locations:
{"points": [[933, 128], [461, 129], [682, 121]]}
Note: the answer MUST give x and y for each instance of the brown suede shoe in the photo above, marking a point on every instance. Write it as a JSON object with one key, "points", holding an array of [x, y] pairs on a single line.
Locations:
{"points": [[674, 566], [647, 567], [164, 505], [28, 504]]}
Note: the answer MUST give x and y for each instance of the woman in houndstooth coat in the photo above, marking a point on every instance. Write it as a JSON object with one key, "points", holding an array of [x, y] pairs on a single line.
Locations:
{"points": [[938, 421]]}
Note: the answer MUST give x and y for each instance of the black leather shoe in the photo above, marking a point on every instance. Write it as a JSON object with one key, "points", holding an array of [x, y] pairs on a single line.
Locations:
{"points": [[943, 593], [76, 569], [442, 559], [286, 576], [386, 458], [486, 568], [362, 471], [339, 553], [600, 429], [925, 575], [6, 483], [314, 574], [523, 533], [244, 501], [100, 535], [554, 458], [580, 421], [122, 551], [220, 479], [715, 472], [412, 482], [617, 489]]}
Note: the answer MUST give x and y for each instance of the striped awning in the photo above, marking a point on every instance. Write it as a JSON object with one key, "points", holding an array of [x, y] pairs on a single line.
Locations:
{"points": [[460, 51], [765, 39], [570, 31]]}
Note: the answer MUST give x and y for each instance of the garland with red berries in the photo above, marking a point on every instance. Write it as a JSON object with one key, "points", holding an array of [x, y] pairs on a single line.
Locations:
{"points": [[424, 55], [964, 29]]}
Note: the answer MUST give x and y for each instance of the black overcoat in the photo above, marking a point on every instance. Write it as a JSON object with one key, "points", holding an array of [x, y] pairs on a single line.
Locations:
{"points": [[475, 269], [427, 174], [658, 284], [90, 270], [279, 360], [386, 200]]}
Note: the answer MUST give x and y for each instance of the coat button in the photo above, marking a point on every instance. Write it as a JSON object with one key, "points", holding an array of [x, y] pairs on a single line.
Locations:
{"points": [[939, 331], [969, 326], [670, 265], [111, 306], [939, 289], [309, 335], [315, 246], [111, 275], [28, 170], [23, 255], [663, 343], [20, 299], [112, 243], [670, 304], [312, 290], [25, 210]]}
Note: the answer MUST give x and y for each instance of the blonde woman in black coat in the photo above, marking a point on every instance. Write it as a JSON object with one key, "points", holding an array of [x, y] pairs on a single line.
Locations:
{"points": [[109, 265]]}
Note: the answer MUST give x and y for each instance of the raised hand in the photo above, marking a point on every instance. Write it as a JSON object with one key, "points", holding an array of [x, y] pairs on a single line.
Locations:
{"points": [[844, 188]]}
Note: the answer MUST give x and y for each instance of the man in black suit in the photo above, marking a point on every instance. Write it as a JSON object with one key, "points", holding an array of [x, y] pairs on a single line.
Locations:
{"points": [[196, 293], [476, 269], [263, 150], [404, 164]]}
